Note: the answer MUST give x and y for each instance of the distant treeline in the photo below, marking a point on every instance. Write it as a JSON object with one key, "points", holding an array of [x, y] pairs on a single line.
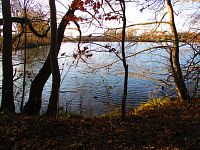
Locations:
{"points": [[183, 37], [34, 42]]}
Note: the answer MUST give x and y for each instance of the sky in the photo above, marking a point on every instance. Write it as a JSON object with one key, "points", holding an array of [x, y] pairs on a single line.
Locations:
{"points": [[134, 15], [182, 10]]}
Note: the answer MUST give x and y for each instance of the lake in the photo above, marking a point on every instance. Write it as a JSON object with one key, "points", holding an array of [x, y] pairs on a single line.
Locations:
{"points": [[90, 86]]}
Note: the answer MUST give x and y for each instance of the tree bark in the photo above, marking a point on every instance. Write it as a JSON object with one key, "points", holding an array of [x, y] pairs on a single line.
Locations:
{"points": [[175, 64], [123, 105], [7, 103], [33, 106], [54, 97]]}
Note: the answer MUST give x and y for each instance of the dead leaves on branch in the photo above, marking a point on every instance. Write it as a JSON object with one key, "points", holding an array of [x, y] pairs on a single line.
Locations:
{"points": [[73, 18], [77, 4], [81, 5]]}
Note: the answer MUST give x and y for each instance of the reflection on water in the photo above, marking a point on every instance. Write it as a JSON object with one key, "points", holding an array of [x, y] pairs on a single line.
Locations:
{"points": [[86, 89]]}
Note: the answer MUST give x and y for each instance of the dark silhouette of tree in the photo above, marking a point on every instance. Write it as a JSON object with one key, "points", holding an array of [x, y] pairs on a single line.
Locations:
{"points": [[54, 97], [120, 13], [123, 105], [7, 102], [174, 50], [174, 58], [33, 106], [7, 54]]}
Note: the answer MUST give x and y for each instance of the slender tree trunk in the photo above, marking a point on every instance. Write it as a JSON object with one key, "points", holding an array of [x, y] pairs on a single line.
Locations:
{"points": [[33, 106], [54, 97], [7, 102], [25, 42], [123, 105], [175, 64]]}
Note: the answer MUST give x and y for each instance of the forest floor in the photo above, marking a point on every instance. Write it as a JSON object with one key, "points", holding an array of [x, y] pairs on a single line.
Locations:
{"points": [[158, 124]]}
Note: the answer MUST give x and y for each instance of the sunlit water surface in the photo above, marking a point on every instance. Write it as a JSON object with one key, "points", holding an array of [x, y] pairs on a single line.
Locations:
{"points": [[89, 86]]}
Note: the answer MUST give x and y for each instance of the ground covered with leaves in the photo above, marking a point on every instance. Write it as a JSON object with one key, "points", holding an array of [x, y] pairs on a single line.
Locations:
{"points": [[158, 124]]}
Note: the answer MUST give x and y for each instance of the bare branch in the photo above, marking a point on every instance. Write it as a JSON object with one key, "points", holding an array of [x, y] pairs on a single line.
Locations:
{"points": [[28, 21]]}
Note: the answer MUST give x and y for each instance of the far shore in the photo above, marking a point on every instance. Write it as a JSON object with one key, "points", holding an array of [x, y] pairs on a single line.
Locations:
{"points": [[90, 39]]}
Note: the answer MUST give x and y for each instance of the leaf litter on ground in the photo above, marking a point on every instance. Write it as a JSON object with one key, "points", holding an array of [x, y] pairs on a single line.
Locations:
{"points": [[158, 124]]}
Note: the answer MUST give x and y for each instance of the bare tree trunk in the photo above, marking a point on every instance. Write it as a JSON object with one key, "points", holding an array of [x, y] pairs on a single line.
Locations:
{"points": [[175, 64], [33, 106], [25, 45], [123, 105], [7, 102], [54, 97]]}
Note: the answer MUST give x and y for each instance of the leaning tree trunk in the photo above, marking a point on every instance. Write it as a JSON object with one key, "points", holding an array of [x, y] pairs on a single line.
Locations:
{"points": [[54, 97], [7, 102], [33, 106], [174, 59]]}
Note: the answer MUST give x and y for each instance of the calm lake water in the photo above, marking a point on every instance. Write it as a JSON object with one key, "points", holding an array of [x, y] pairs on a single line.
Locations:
{"points": [[89, 88]]}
